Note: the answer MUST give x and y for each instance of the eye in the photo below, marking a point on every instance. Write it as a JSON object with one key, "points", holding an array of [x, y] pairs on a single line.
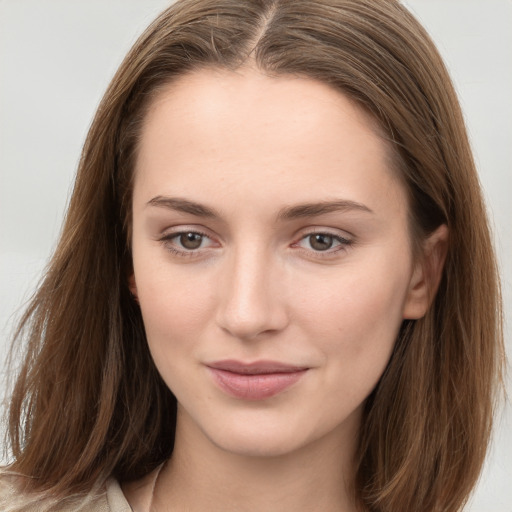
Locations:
{"points": [[186, 243], [323, 242], [320, 241], [190, 240]]}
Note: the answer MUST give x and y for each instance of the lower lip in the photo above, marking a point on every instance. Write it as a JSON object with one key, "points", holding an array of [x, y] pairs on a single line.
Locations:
{"points": [[254, 387]]}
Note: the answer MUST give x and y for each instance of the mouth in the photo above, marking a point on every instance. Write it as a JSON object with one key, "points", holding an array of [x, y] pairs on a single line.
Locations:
{"points": [[254, 381]]}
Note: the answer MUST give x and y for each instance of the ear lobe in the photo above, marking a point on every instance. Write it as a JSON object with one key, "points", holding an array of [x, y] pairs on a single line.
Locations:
{"points": [[427, 274], [132, 285]]}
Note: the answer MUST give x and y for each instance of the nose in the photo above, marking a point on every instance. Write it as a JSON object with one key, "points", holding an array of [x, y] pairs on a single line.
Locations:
{"points": [[252, 298]]}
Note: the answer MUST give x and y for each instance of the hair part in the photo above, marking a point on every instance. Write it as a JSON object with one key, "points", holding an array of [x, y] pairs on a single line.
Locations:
{"points": [[89, 403]]}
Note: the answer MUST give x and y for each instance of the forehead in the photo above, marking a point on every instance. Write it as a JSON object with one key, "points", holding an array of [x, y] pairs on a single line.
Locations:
{"points": [[213, 98], [245, 129]]}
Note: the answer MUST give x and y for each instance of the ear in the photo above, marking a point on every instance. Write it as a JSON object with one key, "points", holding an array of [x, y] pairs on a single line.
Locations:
{"points": [[132, 285], [427, 274]]}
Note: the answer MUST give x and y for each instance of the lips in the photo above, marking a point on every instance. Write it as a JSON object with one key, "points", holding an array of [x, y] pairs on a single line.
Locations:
{"points": [[254, 381]]}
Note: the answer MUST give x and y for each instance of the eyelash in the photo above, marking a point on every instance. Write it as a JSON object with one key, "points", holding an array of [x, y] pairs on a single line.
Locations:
{"points": [[344, 243], [166, 241]]}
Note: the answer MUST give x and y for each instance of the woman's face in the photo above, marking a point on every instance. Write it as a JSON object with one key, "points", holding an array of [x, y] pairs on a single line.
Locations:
{"points": [[272, 258]]}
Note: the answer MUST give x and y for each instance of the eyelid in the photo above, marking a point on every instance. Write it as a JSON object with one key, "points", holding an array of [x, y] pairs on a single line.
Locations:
{"points": [[166, 237], [320, 230], [178, 229], [344, 241]]}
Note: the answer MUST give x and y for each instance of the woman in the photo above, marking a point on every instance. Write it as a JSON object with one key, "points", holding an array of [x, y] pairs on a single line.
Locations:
{"points": [[275, 286]]}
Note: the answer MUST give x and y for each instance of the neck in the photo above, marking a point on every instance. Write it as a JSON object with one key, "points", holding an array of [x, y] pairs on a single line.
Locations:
{"points": [[201, 476]]}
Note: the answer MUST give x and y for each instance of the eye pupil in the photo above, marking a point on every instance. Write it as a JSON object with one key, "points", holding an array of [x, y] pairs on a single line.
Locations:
{"points": [[321, 242], [191, 240]]}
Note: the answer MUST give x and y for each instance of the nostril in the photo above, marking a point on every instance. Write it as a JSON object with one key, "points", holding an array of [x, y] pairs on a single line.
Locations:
{"points": [[250, 301], [247, 317]]}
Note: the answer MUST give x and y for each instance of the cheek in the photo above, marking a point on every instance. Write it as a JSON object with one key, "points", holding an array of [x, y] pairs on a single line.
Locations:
{"points": [[173, 311], [355, 321], [174, 305]]}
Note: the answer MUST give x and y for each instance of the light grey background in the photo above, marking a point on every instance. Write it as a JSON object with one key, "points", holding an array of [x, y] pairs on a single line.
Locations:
{"points": [[56, 59]]}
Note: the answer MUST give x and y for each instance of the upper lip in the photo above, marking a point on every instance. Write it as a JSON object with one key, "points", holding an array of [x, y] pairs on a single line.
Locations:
{"points": [[256, 367]]}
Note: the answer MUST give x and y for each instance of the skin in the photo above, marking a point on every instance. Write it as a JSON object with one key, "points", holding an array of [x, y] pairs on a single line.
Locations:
{"points": [[251, 148]]}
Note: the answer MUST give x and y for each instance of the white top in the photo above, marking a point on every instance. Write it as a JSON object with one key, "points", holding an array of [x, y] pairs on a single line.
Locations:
{"points": [[111, 499]]}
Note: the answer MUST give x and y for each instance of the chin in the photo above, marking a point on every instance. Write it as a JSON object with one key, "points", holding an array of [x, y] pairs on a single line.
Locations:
{"points": [[265, 435], [258, 448], [258, 444]]}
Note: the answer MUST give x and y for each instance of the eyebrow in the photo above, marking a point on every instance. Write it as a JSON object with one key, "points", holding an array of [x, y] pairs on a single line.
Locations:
{"points": [[286, 213], [321, 208], [183, 205]]}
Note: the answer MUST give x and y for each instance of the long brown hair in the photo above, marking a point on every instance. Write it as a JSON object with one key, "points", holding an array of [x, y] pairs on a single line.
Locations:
{"points": [[88, 402]]}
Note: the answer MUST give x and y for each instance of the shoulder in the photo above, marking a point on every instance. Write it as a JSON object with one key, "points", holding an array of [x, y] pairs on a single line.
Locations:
{"points": [[139, 492], [109, 498], [115, 498]]}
